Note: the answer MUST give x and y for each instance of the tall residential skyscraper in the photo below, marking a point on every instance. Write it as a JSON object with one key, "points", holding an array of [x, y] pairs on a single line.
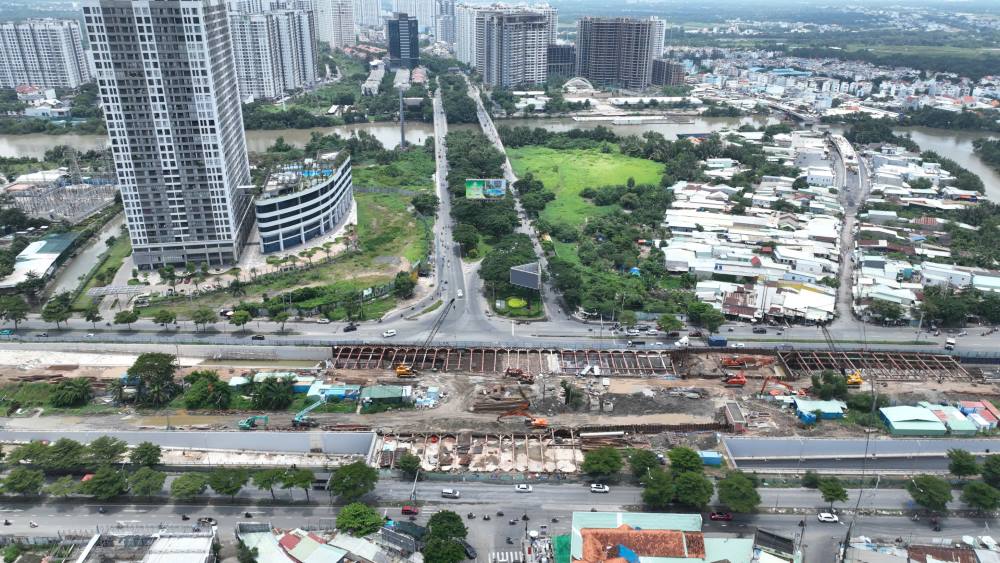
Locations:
{"points": [[659, 34], [367, 13], [465, 33], [404, 41], [168, 82], [512, 47], [422, 10], [562, 60], [274, 48], [335, 22], [469, 28], [616, 51], [444, 21], [42, 52]]}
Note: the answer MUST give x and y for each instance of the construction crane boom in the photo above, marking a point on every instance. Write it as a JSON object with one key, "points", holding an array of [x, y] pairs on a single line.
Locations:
{"points": [[438, 322]]}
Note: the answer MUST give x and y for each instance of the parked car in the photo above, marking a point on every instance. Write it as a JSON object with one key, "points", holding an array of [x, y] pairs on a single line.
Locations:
{"points": [[721, 516], [599, 488], [470, 552], [389, 333], [407, 509], [827, 517], [523, 488]]}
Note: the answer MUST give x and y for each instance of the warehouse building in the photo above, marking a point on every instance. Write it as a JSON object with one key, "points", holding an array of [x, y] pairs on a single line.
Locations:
{"points": [[912, 421]]}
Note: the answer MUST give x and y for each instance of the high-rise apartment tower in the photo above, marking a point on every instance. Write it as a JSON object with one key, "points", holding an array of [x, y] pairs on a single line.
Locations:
{"points": [[617, 51], [42, 52], [168, 82]]}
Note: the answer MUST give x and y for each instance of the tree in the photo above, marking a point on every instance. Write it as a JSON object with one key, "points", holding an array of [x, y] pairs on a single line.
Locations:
{"points": [[281, 317], [164, 317], [240, 319], [93, 314], [34, 453], [273, 394], [56, 311], [267, 479], [669, 323], [800, 183], [353, 481], [126, 317], [425, 204], [446, 524], [227, 481], [930, 492], [203, 316], [980, 496], [155, 372], [146, 454], [738, 492], [692, 490], [106, 483], [14, 309], [302, 479], [683, 460], [602, 462], [246, 554], [659, 489], [408, 464], [62, 487], [886, 310], [443, 550], [207, 391], [961, 463], [359, 519], [832, 490], [991, 470], [73, 392], [627, 318], [23, 481], [106, 451], [810, 480], [188, 486], [64, 455], [642, 461], [146, 482], [402, 285]]}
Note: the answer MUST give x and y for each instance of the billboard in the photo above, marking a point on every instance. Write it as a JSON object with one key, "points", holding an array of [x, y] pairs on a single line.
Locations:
{"points": [[485, 188], [527, 275]]}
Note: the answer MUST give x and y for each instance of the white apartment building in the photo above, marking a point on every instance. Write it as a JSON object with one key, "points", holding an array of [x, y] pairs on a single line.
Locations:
{"points": [[42, 52], [423, 10], [367, 13], [274, 49], [444, 21], [335, 22], [507, 44], [175, 126], [465, 33]]}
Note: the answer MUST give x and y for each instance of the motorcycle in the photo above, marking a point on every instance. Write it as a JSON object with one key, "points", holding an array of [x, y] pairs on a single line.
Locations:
{"points": [[510, 541], [472, 516], [555, 520], [185, 517], [6, 522], [247, 515], [512, 521], [101, 510], [499, 512], [32, 524], [486, 516]]}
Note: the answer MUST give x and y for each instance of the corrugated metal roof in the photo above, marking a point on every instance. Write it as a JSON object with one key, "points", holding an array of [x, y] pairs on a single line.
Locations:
{"points": [[637, 520]]}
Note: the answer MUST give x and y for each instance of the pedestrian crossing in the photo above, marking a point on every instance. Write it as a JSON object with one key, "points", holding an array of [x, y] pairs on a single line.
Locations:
{"points": [[506, 557]]}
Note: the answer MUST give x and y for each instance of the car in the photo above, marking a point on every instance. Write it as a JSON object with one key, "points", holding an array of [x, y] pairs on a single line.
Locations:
{"points": [[739, 345], [827, 517], [90, 335], [323, 321], [599, 488], [470, 552], [460, 294], [43, 334], [257, 337], [389, 333], [759, 330], [721, 516], [694, 334], [6, 332], [407, 509], [523, 488], [450, 493], [206, 521], [351, 328]]}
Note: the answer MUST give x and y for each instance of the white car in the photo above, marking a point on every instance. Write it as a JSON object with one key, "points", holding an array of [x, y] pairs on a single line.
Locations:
{"points": [[599, 488], [522, 488], [460, 294], [827, 517], [739, 345], [389, 333]]}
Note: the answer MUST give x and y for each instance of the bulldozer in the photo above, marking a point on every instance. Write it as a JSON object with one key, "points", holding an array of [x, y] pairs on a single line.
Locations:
{"points": [[520, 375], [521, 411], [404, 370], [854, 379]]}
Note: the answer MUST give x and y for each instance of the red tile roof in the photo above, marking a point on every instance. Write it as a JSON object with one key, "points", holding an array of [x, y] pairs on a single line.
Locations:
{"points": [[599, 544]]}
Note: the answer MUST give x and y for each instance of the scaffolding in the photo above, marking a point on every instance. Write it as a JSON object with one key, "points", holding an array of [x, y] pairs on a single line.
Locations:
{"points": [[885, 366]]}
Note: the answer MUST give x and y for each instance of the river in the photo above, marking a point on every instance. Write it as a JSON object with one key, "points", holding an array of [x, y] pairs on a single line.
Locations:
{"points": [[956, 145]]}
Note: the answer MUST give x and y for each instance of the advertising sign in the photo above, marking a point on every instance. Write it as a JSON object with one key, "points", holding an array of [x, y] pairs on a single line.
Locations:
{"points": [[485, 188]]}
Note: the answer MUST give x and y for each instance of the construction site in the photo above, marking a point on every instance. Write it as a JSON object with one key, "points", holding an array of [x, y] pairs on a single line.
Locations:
{"points": [[521, 410]]}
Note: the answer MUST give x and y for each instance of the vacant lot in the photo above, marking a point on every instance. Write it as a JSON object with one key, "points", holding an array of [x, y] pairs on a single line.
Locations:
{"points": [[568, 172]]}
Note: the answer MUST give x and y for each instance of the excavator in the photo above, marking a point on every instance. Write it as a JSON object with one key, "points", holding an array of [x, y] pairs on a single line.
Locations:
{"points": [[521, 411], [738, 380], [520, 375], [302, 418], [791, 390], [251, 422], [405, 371], [746, 361]]}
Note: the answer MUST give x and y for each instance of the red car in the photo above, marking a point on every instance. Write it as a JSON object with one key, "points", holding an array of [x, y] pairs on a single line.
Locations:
{"points": [[721, 516], [411, 510]]}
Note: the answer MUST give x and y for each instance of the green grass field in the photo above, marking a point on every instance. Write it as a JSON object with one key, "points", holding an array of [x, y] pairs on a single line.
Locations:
{"points": [[112, 260], [568, 172]]}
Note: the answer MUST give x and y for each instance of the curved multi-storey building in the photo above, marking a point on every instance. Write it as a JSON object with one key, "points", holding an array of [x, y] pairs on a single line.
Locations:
{"points": [[302, 202]]}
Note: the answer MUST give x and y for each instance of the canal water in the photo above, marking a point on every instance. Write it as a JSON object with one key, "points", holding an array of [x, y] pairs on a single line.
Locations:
{"points": [[956, 145]]}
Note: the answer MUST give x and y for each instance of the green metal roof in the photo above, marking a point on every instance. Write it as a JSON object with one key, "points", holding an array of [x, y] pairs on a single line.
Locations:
{"points": [[57, 243], [382, 392], [734, 550], [825, 407]]}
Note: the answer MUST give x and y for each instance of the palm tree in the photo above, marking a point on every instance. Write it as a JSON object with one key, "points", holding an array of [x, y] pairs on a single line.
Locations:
{"points": [[253, 272], [327, 249], [236, 288], [117, 390]]}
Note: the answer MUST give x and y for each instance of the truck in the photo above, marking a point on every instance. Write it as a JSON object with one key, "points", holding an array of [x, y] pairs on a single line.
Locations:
{"points": [[717, 341], [949, 344]]}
